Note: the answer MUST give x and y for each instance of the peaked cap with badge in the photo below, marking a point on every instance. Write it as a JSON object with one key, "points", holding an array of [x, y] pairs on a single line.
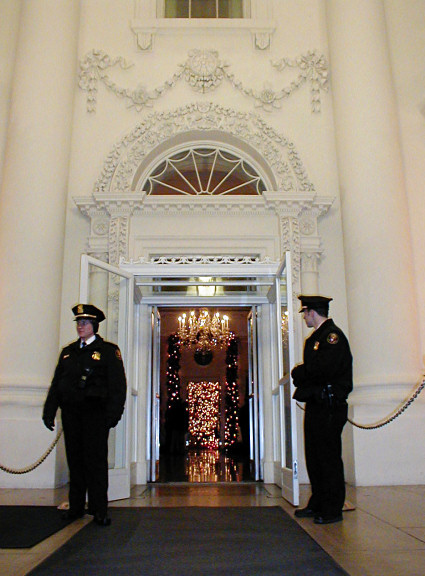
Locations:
{"points": [[88, 311], [312, 302]]}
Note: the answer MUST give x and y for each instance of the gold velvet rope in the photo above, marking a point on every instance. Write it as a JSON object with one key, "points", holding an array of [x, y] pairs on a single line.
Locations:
{"points": [[37, 463], [397, 412]]}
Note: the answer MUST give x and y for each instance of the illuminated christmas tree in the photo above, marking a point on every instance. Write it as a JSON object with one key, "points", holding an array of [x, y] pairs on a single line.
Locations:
{"points": [[204, 416]]}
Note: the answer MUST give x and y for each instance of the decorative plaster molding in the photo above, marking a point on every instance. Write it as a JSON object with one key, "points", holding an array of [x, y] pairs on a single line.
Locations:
{"points": [[117, 198], [204, 71], [24, 391], [295, 204], [287, 206], [290, 241], [219, 260], [144, 38], [314, 68], [24, 382], [22, 398], [389, 391], [118, 239], [308, 226], [146, 29], [100, 226], [122, 164], [262, 38], [309, 261]]}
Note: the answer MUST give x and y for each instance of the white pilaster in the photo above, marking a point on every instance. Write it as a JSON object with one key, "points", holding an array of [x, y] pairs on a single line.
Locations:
{"points": [[378, 254], [33, 197], [374, 209], [9, 22]]}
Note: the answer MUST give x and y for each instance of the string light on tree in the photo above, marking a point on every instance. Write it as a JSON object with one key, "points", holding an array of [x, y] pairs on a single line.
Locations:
{"points": [[173, 369], [232, 394], [204, 417]]}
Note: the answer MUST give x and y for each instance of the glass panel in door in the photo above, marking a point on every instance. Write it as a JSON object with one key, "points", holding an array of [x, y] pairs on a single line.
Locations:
{"points": [[112, 290], [155, 399], [253, 396]]}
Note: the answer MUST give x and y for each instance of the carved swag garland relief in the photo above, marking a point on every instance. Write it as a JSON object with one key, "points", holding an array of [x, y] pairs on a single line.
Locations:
{"points": [[204, 71], [294, 200]]}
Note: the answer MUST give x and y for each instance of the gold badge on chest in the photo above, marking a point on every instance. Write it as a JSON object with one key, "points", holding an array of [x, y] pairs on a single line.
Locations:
{"points": [[96, 355]]}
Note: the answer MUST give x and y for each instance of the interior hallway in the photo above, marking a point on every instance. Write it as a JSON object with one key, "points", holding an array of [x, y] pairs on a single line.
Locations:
{"points": [[384, 536]]}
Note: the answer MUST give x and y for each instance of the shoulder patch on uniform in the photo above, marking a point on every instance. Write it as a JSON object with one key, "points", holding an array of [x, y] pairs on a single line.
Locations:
{"points": [[333, 338], [118, 353]]}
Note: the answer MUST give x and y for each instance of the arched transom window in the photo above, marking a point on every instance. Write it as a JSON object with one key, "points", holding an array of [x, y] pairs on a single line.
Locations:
{"points": [[203, 170]]}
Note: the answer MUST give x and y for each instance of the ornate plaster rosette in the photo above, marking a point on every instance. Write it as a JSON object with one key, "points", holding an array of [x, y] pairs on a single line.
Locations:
{"points": [[204, 71]]}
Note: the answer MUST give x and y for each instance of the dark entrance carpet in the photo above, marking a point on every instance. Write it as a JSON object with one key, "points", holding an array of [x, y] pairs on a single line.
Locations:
{"points": [[26, 526], [192, 542]]}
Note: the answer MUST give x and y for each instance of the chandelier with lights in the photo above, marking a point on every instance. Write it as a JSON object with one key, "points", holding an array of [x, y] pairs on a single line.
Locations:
{"points": [[204, 332]]}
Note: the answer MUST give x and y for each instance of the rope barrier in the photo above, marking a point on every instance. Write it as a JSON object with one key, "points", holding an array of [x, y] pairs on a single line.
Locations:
{"points": [[37, 463], [390, 418], [395, 414]]}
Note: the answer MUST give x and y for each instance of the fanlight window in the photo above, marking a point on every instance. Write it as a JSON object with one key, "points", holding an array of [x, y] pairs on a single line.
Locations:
{"points": [[202, 170]]}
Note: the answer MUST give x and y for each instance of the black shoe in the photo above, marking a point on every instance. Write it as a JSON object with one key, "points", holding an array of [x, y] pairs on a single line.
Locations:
{"points": [[304, 513], [327, 519], [70, 515], [102, 520]]}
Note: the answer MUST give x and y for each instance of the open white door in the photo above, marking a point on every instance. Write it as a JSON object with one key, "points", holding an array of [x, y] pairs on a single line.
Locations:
{"points": [[155, 400], [254, 397], [284, 407], [112, 290]]}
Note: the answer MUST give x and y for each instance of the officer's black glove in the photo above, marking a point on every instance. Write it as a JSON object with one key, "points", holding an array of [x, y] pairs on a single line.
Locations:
{"points": [[49, 423]]}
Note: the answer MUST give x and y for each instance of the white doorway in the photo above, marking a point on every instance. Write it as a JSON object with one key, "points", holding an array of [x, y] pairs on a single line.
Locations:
{"points": [[203, 410], [238, 282]]}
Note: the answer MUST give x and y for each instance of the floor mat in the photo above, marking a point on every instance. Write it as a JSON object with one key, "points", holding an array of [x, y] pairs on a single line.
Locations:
{"points": [[195, 541]]}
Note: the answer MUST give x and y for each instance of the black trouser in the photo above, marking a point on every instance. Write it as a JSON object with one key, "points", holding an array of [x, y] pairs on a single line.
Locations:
{"points": [[323, 447], [86, 444]]}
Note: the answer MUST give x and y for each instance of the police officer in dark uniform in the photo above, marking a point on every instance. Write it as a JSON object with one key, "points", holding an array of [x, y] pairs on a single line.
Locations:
{"points": [[89, 386], [323, 382]]}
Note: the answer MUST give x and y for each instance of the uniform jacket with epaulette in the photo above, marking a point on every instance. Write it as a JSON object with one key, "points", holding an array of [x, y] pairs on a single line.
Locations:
{"points": [[91, 374], [327, 360]]}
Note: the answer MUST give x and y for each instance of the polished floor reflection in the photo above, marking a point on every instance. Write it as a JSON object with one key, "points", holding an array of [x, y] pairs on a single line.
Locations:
{"points": [[200, 466], [383, 536]]}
